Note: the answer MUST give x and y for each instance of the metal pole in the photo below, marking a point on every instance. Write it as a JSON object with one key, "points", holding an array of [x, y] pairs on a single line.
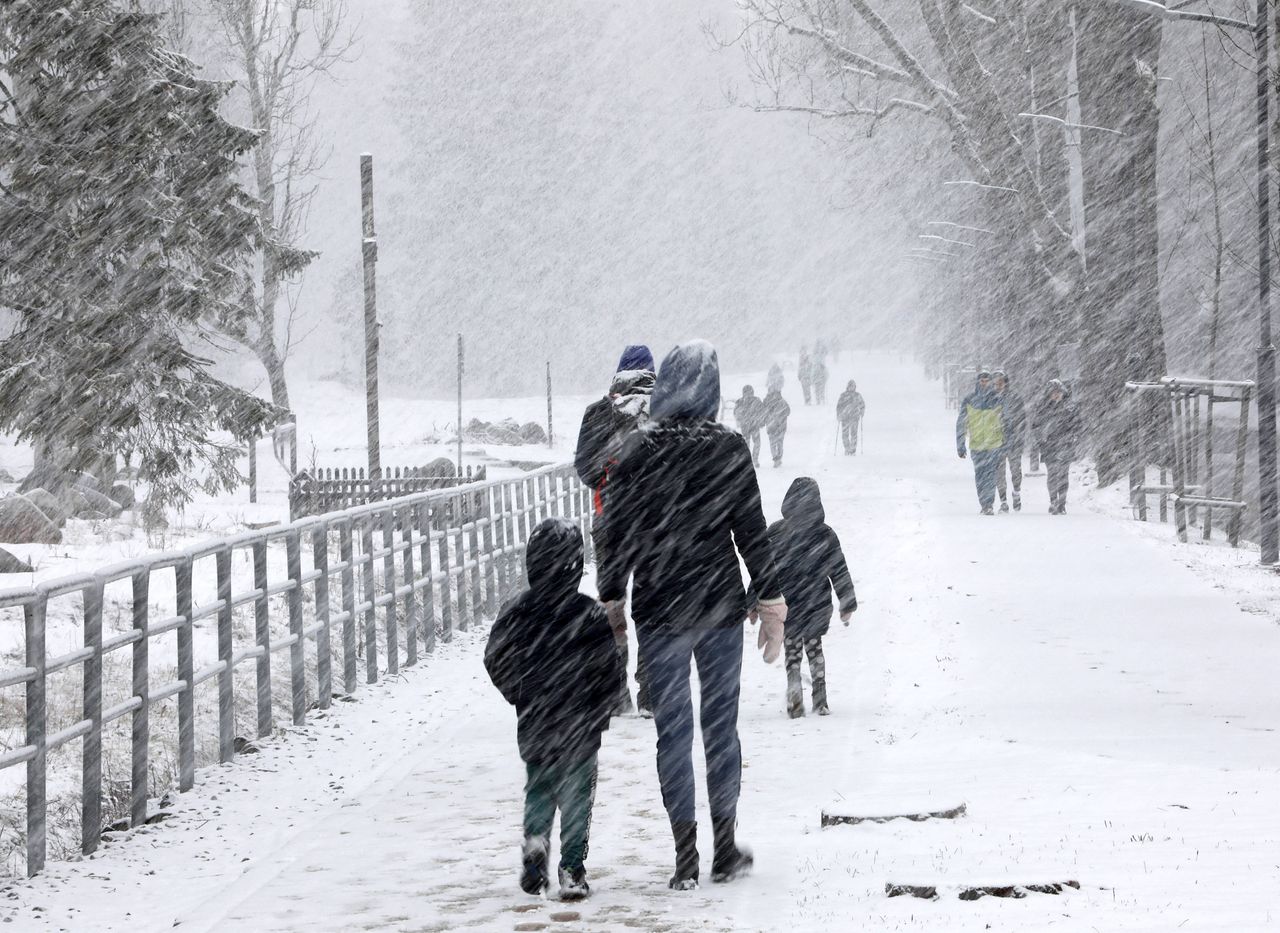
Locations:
{"points": [[1270, 537], [459, 406], [551, 438], [370, 250]]}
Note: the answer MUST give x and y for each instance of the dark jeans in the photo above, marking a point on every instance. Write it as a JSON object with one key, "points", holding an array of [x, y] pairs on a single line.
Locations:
{"points": [[718, 654], [753, 441], [1013, 457], [570, 787], [806, 388], [775, 445], [985, 463], [1059, 478], [849, 436]]}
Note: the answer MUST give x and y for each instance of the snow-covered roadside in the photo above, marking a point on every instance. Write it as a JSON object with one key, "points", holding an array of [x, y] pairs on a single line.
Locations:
{"points": [[1106, 715]]}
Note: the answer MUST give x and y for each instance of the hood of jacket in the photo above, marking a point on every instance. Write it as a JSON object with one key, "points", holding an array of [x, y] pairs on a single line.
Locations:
{"points": [[803, 502], [688, 384], [554, 560], [635, 357]]}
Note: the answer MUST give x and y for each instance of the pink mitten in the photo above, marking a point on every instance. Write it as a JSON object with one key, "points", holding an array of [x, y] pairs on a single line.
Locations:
{"points": [[773, 615]]}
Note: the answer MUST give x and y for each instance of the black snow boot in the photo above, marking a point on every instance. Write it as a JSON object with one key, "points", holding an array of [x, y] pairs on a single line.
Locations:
{"points": [[686, 837], [533, 874], [573, 884], [730, 861], [820, 697], [795, 692]]}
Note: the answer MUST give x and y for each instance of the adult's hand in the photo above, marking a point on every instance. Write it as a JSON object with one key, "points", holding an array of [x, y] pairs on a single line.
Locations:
{"points": [[616, 610], [773, 616], [846, 616], [960, 452]]}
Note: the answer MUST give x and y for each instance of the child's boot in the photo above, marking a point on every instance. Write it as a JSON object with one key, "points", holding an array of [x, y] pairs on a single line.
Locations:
{"points": [[533, 874], [820, 697], [795, 693]]}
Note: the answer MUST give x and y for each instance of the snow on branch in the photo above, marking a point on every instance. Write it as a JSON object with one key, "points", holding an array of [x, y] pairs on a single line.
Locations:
{"points": [[1155, 8]]}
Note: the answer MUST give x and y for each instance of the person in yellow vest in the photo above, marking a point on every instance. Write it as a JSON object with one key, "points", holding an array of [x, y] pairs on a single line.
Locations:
{"points": [[981, 420]]}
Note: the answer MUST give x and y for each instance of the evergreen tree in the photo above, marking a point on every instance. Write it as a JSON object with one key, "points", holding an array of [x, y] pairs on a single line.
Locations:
{"points": [[122, 227]]}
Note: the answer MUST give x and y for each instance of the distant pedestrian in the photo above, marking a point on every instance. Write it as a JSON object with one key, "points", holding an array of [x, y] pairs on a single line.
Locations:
{"points": [[1057, 429], [1013, 414], [776, 413], [748, 411], [820, 380], [850, 408], [687, 505], [606, 423], [804, 371], [551, 653], [775, 379], [980, 421], [810, 565]]}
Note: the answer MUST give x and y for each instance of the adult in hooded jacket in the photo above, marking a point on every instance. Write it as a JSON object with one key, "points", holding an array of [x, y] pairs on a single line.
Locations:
{"points": [[1057, 428], [682, 503], [850, 408], [748, 411], [981, 420]]}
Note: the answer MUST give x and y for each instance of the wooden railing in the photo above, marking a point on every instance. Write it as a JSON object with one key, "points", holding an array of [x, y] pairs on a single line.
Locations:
{"points": [[330, 490], [427, 563]]}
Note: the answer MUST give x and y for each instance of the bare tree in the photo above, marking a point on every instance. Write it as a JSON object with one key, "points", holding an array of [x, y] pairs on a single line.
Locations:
{"points": [[278, 50]]}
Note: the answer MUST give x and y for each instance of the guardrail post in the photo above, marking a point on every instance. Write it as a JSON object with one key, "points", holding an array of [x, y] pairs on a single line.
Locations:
{"points": [[440, 519], [350, 674], [460, 557], [422, 521], [324, 657], [370, 618], [142, 692], [91, 748], [502, 541], [387, 519], [226, 694], [297, 650], [491, 600], [34, 619], [186, 672], [262, 638], [407, 523], [520, 525], [477, 599]]}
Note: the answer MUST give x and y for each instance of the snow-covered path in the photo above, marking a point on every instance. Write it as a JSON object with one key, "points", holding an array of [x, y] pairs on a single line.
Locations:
{"points": [[1107, 715]]}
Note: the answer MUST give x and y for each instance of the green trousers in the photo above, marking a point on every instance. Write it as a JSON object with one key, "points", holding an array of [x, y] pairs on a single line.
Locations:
{"points": [[569, 787]]}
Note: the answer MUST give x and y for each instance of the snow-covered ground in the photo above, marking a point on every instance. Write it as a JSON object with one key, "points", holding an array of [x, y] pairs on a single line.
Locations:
{"points": [[1102, 700]]}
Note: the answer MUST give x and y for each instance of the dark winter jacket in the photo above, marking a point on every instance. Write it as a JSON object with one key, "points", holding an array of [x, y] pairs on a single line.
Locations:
{"points": [[606, 423], [981, 418], [776, 413], [850, 407], [775, 379], [552, 654], [1013, 415], [804, 370], [682, 503], [810, 562], [748, 411], [1056, 426]]}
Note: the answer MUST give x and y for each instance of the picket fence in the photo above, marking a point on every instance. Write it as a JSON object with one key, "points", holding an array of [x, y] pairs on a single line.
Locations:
{"points": [[431, 561]]}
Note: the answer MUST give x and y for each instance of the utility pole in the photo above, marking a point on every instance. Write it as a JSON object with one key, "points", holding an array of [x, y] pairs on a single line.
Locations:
{"points": [[369, 244], [551, 438], [459, 406], [1267, 504]]}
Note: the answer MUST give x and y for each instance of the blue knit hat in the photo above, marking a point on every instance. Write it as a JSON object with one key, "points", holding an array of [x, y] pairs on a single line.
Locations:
{"points": [[635, 357]]}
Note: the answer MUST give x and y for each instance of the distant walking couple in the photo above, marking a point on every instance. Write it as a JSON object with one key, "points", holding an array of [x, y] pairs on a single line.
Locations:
{"points": [[993, 419], [676, 503]]}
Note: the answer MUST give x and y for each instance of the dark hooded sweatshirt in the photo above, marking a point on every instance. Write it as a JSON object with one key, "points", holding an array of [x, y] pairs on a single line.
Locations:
{"points": [[810, 562], [683, 494], [552, 654]]}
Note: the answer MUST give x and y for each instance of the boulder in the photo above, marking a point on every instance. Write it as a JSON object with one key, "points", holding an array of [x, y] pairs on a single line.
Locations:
{"points": [[6, 476], [123, 496], [11, 564], [86, 481], [44, 477], [22, 522], [47, 503], [532, 433], [440, 466], [93, 505]]}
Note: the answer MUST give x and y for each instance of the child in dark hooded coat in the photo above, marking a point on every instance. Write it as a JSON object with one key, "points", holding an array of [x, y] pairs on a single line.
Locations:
{"points": [[810, 564], [551, 653]]}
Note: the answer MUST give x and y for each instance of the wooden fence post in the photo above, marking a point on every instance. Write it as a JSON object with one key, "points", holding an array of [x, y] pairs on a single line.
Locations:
{"points": [[367, 597], [226, 695], [297, 652], [422, 520], [262, 639], [477, 598], [186, 672], [386, 518], [91, 748], [1237, 480], [346, 556], [460, 557], [324, 656], [141, 733], [488, 495], [34, 622], [440, 519], [406, 523]]}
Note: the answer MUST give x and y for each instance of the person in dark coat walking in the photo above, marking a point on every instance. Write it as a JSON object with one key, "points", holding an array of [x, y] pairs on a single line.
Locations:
{"points": [[551, 653], [605, 425], [683, 503], [776, 412], [1056, 426], [1013, 415], [805, 372], [748, 411], [810, 564], [850, 408], [775, 380], [820, 381]]}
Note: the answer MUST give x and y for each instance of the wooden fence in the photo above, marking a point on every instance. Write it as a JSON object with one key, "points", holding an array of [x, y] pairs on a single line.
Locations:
{"points": [[426, 561], [331, 490]]}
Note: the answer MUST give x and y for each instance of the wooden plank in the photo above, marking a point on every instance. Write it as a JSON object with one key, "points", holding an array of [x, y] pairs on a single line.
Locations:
{"points": [[367, 597], [297, 650], [422, 519], [91, 748], [465, 613], [34, 614], [439, 514], [488, 495], [411, 621], [349, 661], [387, 519], [324, 657], [141, 690], [477, 594], [849, 819], [186, 668], [262, 638], [226, 693]]}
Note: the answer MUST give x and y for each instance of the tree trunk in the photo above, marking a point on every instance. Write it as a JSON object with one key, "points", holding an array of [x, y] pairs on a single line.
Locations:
{"points": [[274, 366]]}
